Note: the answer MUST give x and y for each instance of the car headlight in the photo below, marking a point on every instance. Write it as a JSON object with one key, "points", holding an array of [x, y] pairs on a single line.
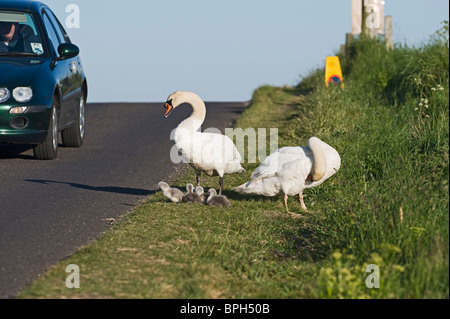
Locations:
{"points": [[22, 94], [4, 94]]}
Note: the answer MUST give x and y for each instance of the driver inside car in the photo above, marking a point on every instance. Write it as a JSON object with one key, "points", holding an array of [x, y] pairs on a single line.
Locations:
{"points": [[18, 38]]}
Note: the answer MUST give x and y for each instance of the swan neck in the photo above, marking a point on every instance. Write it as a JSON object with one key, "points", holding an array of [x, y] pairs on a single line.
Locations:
{"points": [[320, 163], [198, 115]]}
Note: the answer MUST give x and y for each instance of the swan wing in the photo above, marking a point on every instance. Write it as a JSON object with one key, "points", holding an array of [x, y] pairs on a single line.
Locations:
{"points": [[267, 185], [275, 161], [212, 152]]}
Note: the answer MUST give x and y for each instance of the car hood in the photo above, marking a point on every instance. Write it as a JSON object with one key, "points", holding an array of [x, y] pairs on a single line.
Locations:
{"points": [[17, 71]]}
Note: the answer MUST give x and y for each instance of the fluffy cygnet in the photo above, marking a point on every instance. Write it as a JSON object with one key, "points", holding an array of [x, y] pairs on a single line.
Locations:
{"points": [[174, 194], [217, 200], [190, 196]]}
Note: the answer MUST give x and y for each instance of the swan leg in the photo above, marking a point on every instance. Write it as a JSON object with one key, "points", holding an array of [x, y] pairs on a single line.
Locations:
{"points": [[302, 203], [220, 185], [285, 203], [295, 215], [198, 173]]}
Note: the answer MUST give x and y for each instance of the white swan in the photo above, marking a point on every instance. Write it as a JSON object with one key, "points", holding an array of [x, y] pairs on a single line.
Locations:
{"points": [[290, 170], [213, 154]]}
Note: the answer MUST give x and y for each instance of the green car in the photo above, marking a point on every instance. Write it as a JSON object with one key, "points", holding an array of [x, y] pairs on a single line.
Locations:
{"points": [[43, 87]]}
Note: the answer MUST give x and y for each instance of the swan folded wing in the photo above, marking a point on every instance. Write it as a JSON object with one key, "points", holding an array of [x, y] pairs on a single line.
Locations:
{"points": [[267, 185], [283, 171], [275, 161], [218, 148], [211, 152]]}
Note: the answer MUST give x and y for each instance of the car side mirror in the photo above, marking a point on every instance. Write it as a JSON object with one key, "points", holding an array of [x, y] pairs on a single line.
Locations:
{"points": [[68, 50]]}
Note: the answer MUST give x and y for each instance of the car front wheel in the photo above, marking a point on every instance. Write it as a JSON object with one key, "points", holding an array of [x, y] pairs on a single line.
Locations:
{"points": [[48, 150]]}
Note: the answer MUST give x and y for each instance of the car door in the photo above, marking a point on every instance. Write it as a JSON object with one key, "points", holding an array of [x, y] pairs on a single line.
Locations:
{"points": [[74, 79], [64, 70]]}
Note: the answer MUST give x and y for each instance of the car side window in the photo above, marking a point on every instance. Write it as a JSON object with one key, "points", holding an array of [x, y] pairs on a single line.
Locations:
{"points": [[51, 34], [62, 35]]}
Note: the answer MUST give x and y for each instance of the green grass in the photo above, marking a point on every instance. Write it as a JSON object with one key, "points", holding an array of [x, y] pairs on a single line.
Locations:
{"points": [[394, 150]]}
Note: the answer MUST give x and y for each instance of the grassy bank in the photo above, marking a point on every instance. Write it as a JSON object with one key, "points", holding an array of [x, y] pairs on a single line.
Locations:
{"points": [[388, 205]]}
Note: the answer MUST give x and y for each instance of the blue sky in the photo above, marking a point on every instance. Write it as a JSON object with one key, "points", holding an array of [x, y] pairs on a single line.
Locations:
{"points": [[141, 51]]}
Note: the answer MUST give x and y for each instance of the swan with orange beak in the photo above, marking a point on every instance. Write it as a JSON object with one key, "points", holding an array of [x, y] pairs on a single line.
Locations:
{"points": [[213, 154], [169, 108]]}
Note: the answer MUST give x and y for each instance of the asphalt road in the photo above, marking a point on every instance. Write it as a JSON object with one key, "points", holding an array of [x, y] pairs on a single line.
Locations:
{"points": [[48, 209]]}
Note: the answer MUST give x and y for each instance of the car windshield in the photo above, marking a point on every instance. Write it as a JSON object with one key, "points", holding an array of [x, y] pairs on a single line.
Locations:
{"points": [[19, 35]]}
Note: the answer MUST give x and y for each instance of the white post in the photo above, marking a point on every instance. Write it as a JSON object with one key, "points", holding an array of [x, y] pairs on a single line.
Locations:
{"points": [[374, 17], [357, 9], [389, 32]]}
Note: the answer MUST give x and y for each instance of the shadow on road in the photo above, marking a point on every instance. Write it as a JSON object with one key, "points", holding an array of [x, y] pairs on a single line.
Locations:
{"points": [[109, 189], [10, 151]]}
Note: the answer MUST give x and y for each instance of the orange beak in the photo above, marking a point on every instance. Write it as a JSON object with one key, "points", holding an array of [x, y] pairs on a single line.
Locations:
{"points": [[169, 109]]}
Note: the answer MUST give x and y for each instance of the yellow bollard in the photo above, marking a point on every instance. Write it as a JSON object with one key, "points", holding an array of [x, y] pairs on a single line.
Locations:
{"points": [[333, 72]]}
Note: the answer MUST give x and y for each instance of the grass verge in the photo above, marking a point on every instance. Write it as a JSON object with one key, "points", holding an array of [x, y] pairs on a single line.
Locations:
{"points": [[387, 206]]}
